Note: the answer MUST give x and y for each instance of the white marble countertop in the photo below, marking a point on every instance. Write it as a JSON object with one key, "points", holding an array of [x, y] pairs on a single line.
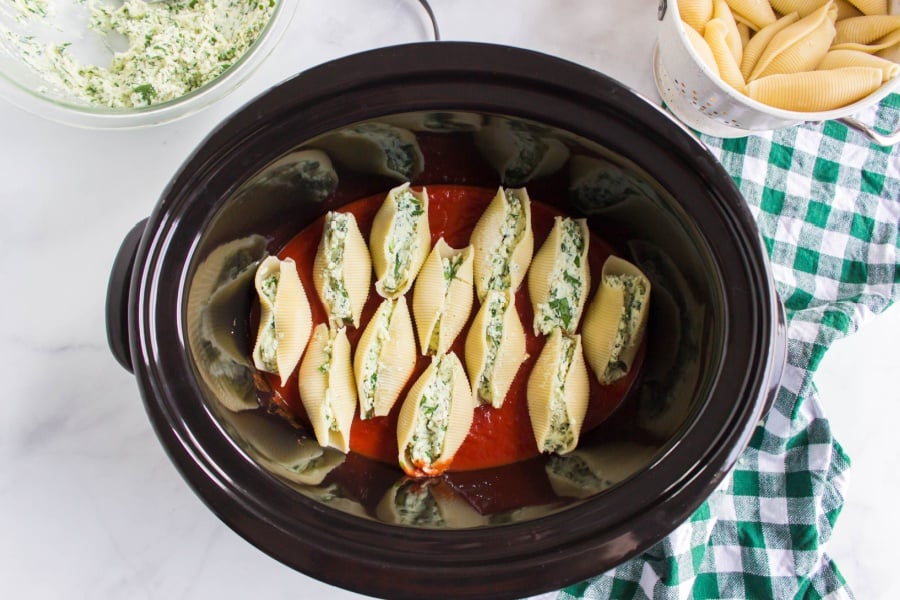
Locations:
{"points": [[90, 505]]}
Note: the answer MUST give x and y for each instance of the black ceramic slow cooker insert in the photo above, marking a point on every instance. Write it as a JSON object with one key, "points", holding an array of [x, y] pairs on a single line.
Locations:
{"points": [[179, 298]]}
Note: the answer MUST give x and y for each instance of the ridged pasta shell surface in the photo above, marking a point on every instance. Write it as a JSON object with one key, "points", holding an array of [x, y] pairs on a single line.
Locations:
{"points": [[615, 320], [696, 13], [816, 90], [385, 358], [495, 348], [400, 240], [837, 59], [559, 279], [443, 296], [435, 418], [326, 386], [716, 37], [558, 393], [759, 42], [868, 34], [731, 35], [503, 242], [285, 318], [756, 14], [342, 269], [800, 46]]}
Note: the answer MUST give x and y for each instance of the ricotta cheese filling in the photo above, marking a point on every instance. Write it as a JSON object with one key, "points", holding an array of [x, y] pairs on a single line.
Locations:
{"points": [[561, 434], [327, 405], [511, 232], [496, 308], [173, 48], [398, 153], [416, 506], [566, 285], [371, 361], [402, 240], [427, 442], [268, 347], [335, 293], [635, 292]]}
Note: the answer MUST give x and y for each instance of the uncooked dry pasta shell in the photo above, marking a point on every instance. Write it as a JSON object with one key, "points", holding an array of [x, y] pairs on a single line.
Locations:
{"points": [[543, 382], [487, 236], [816, 91], [759, 42], [353, 271], [867, 33], [604, 314], [394, 347], [325, 379], [837, 59], [800, 46], [701, 47], [441, 304], [510, 354], [756, 14], [846, 10], [547, 267], [728, 68], [732, 36], [289, 317], [801, 7], [461, 411], [696, 13], [384, 233]]}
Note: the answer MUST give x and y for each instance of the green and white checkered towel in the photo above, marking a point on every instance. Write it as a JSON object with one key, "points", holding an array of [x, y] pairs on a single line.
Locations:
{"points": [[827, 203]]}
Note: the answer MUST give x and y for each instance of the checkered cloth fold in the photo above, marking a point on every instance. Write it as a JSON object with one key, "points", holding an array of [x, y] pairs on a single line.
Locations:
{"points": [[827, 203]]}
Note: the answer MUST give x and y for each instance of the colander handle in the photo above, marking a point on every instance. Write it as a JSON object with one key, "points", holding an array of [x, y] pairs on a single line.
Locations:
{"points": [[882, 139], [117, 292]]}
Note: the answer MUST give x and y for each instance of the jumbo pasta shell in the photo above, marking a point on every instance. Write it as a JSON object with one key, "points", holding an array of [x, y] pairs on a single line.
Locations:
{"points": [[377, 148], [559, 279], [815, 91], [696, 13], [838, 59], [326, 386], [519, 150], [400, 240], [284, 322], [342, 269], [503, 242], [495, 348], [871, 7], [731, 35], [868, 34], [611, 358], [558, 392], [439, 401], [385, 358], [443, 296], [427, 503], [716, 35], [756, 14], [801, 7], [759, 42], [798, 47], [701, 47]]}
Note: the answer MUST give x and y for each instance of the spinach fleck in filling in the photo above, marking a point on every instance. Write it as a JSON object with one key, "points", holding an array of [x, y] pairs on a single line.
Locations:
{"points": [[335, 292], [450, 267], [511, 231], [635, 292], [402, 240], [268, 347], [561, 435], [371, 360], [566, 285], [496, 306], [427, 442]]}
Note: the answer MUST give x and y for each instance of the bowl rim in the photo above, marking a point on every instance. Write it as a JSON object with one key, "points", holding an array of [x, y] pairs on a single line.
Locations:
{"points": [[539, 555]]}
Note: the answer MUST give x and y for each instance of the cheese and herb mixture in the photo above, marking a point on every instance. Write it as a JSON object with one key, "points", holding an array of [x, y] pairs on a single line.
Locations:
{"points": [[399, 154], [416, 506], [511, 232], [635, 292], [334, 291], [496, 307], [450, 267], [174, 47], [560, 436], [427, 442], [327, 406], [530, 150], [575, 470], [372, 359], [403, 241], [268, 346], [566, 284]]}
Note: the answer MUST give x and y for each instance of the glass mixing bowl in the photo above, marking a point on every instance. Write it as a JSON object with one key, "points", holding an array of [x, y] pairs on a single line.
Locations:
{"points": [[52, 22]]}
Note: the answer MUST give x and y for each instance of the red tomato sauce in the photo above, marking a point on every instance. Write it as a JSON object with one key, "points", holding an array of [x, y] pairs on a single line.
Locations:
{"points": [[498, 436]]}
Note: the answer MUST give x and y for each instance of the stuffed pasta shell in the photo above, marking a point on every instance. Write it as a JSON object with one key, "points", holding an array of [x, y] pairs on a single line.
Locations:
{"points": [[385, 358], [443, 297], [558, 392], [504, 242], [400, 240], [435, 418], [377, 148], [342, 269], [285, 318], [325, 383], [428, 503], [495, 348], [559, 279], [614, 322]]}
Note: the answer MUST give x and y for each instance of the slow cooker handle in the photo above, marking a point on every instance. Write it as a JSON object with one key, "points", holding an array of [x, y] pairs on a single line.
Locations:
{"points": [[117, 296]]}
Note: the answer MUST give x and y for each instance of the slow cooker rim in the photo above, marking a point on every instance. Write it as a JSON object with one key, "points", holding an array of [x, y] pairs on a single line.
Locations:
{"points": [[146, 373]]}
